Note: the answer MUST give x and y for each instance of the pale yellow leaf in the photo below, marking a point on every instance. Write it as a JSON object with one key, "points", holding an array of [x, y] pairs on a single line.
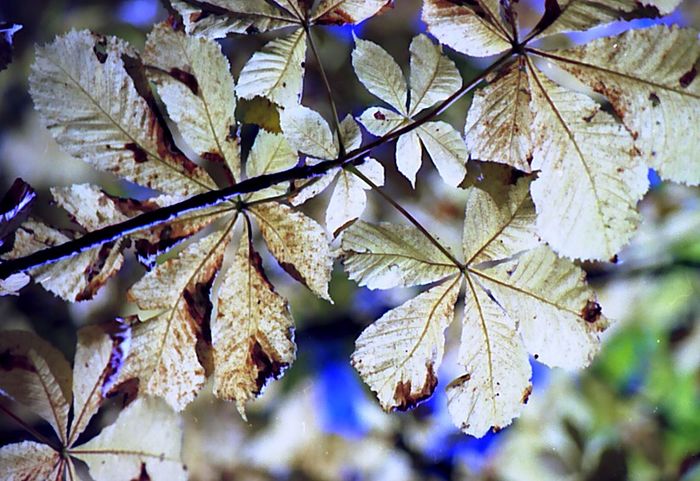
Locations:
{"points": [[496, 381], [93, 110], [144, 441], [380, 121], [557, 313], [650, 77], [299, 244], [308, 132], [343, 12], [163, 353], [348, 200], [434, 77], [29, 461], [270, 153], [37, 376], [381, 256], [462, 28], [409, 155], [350, 133], [74, 279], [253, 333], [231, 16], [380, 74], [499, 122], [399, 354], [499, 222], [590, 180], [194, 82], [447, 150], [276, 71]]}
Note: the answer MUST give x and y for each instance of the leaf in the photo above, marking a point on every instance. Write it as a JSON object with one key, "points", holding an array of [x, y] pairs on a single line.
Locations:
{"points": [[307, 132], [447, 149], [579, 15], [270, 153], [195, 83], [472, 30], [343, 12], [299, 244], [500, 222], [74, 279], [434, 77], [560, 320], [98, 359], [380, 74], [381, 256], [499, 122], [590, 179], [30, 461], [37, 376], [276, 72], [15, 207], [519, 296], [74, 84], [231, 16], [117, 454], [399, 354], [164, 347], [253, 333], [349, 200], [13, 284], [497, 378], [649, 77]]}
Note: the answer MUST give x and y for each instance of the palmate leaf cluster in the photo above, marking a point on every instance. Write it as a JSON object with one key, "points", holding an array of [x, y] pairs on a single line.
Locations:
{"points": [[206, 306]]}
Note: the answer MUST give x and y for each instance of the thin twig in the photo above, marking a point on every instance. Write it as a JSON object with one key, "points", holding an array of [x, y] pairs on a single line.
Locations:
{"points": [[214, 197]]}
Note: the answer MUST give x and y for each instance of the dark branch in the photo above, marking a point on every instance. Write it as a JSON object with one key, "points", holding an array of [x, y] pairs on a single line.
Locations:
{"points": [[215, 197]]}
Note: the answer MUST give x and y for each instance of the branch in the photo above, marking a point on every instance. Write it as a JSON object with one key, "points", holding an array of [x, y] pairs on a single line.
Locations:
{"points": [[214, 197]]}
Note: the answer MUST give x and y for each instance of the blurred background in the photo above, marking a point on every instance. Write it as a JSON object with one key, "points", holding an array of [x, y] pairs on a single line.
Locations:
{"points": [[633, 415]]}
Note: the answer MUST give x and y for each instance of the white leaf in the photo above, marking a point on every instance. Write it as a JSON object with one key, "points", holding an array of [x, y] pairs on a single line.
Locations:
{"points": [[308, 132], [409, 155], [434, 77], [447, 149], [380, 74]]}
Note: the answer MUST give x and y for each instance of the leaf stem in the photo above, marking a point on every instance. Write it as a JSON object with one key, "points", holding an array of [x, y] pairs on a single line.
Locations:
{"points": [[214, 197], [407, 215], [329, 91]]}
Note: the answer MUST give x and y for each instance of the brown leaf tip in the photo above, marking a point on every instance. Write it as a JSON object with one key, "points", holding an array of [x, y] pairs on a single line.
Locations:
{"points": [[405, 398], [591, 312]]}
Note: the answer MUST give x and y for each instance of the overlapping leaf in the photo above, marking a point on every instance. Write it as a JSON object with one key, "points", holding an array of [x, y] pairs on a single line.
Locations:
{"points": [[173, 352], [37, 376], [592, 163], [520, 297], [433, 78], [276, 72]]}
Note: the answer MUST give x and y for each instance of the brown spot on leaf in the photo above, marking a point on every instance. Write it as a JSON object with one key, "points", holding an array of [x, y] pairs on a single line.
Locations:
{"points": [[526, 395], [655, 100], [406, 399], [186, 78], [140, 155], [379, 116], [10, 361], [688, 77], [496, 429], [95, 274], [214, 157], [591, 312], [143, 475]]}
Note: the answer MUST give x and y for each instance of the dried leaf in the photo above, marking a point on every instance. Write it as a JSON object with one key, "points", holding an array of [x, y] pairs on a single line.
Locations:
{"points": [[195, 83], [74, 85], [29, 461], [299, 244], [253, 333], [343, 12]]}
